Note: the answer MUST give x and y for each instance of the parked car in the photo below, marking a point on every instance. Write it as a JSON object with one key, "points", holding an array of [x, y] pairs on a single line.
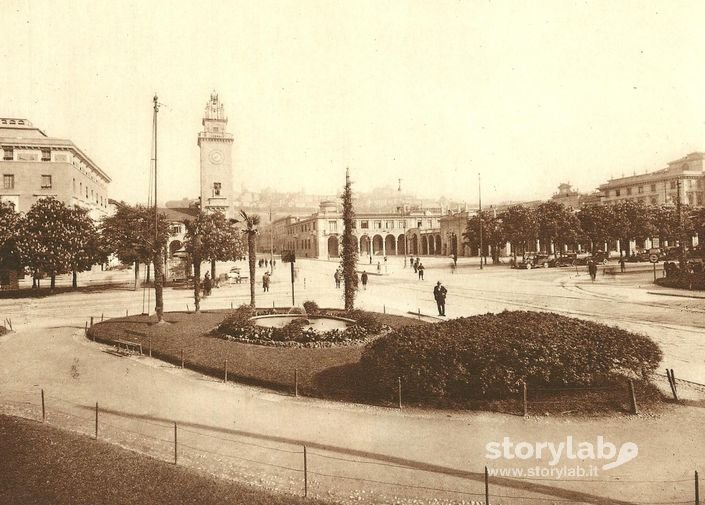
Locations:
{"points": [[536, 260], [600, 257]]}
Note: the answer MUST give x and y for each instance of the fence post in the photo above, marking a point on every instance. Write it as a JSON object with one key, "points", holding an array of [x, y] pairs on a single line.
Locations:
{"points": [[127, 313], [399, 384], [44, 412], [150, 346], [296, 382], [225, 379], [697, 489], [176, 446], [487, 487], [675, 387], [305, 474], [231, 305], [526, 401], [85, 329], [419, 312], [182, 358], [632, 394], [91, 321], [101, 316], [384, 307], [96, 420]]}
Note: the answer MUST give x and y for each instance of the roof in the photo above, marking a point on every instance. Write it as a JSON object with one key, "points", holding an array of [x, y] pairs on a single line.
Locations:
{"points": [[26, 135], [179, 214]]}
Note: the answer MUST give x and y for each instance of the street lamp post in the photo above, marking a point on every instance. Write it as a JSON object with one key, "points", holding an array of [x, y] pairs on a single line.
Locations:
{"points": [[479, 214]]}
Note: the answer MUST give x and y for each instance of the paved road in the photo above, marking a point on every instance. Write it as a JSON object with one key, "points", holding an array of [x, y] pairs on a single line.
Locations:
{"points": [[258, 436]]}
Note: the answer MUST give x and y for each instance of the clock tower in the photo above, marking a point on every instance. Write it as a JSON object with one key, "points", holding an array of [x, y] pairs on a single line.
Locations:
{"points": [[216, 160]]}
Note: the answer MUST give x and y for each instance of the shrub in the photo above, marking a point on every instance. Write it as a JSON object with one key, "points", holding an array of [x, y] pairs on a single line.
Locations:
{"points": [[491, 355], [311, 307], [296, 310], [366, 320], [239, 318]]}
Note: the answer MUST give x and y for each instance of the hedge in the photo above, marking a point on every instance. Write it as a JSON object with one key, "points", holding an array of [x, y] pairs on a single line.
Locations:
{"points": [[490, 356]]}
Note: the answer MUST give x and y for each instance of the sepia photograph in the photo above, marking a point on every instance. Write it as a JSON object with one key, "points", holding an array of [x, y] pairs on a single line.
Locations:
{"points": [[329, 252]]}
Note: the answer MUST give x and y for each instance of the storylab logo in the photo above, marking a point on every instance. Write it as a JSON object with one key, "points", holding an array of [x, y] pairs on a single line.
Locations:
{"points": [[571, 454]]}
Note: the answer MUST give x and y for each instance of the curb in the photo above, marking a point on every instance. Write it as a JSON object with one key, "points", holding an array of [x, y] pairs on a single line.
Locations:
{"points": [[676, 295]]}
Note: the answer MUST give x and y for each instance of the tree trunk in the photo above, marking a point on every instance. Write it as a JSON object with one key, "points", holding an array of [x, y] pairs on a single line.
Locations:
{"points": [[137, 274], [197, 283], [34, 280], [158, 283], [212, 270], [149, 270], [251, 257], [53, 281], [74, 280]]}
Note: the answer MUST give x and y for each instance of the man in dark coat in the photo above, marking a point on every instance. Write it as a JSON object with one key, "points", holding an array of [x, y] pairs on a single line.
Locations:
{"points": [[439, 293]]}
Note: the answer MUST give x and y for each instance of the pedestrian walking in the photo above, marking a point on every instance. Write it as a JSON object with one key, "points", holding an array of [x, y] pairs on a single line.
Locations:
{"points": [[621, 264], [592, 269], [416, 265], [336, 278], [421, 269], [363, 278], [439, 294], [379, 267], [207, 284], [265, 282]]}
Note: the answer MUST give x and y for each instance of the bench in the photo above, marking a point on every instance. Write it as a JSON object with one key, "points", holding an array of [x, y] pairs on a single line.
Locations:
{"points": [[128, 345]]}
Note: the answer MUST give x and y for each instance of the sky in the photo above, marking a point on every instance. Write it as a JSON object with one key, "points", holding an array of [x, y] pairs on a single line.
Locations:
{"points": [[527, 94]]}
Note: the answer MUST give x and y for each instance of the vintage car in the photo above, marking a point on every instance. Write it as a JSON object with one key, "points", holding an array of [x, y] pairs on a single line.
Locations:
{"points": [[536, 260]]}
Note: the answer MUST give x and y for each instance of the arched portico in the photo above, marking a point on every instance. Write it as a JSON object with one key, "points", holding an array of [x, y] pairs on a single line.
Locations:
{"points": [[390, 245], [377, 245], [401, 244], [333, 251], [365, 245]]}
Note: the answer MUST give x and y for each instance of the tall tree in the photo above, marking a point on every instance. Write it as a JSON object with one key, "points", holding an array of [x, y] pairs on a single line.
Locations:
{"points": [[493, 234], [665, 223], [48, 239], [85, 249], [221, 240], [596, 224], [556, 224], [520, 227], [631, 222], [349, 257], [210, 237], [129, 234], [9, 226], [250, 224]]}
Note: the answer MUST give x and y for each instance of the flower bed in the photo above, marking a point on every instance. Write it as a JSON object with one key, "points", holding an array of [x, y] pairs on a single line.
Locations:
{"points": [[240, 327]]}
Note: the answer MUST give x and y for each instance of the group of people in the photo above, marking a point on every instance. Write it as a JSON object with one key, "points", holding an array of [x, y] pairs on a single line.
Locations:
{"points": [[264, 262], [357, 280], [417, 265]]}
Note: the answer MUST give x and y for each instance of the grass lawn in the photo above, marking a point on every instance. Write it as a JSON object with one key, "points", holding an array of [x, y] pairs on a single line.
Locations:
{"points": [[323, 372], [44, 465]]}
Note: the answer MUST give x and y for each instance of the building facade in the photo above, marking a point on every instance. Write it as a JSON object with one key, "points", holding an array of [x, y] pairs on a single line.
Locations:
{"points": [[216, 147], [36, 166], [683, 178], [381, 234]]}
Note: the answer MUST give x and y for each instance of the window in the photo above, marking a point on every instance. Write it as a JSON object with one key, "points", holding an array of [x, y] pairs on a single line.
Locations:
{"points": [[333, 226], [617, 192], [80, 186], [46, 181], [86, 190], [354, 224], [8, 153], [629, 191], [74, 185], [175, 229], [216, 189], [402, 224], [46, 154], [419, 223], [378, 225], [653, 188], [8, 181], [673, 184], [640, 189], [364, 224]]}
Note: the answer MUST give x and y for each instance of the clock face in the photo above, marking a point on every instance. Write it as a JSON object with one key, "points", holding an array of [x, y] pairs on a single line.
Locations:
{"points": [[216, 157]]}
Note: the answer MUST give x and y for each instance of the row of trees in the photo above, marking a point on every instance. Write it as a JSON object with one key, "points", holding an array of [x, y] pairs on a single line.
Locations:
{"points": [[591, 227], [53, 239]]}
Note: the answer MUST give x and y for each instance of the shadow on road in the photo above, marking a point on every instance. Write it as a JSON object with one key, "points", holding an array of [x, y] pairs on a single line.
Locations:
{"points": [[554, 491]]}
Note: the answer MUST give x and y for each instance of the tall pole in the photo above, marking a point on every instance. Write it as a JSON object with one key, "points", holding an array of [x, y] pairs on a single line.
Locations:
{"points": [[479, 198], [681, 228], [158, 265]]}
